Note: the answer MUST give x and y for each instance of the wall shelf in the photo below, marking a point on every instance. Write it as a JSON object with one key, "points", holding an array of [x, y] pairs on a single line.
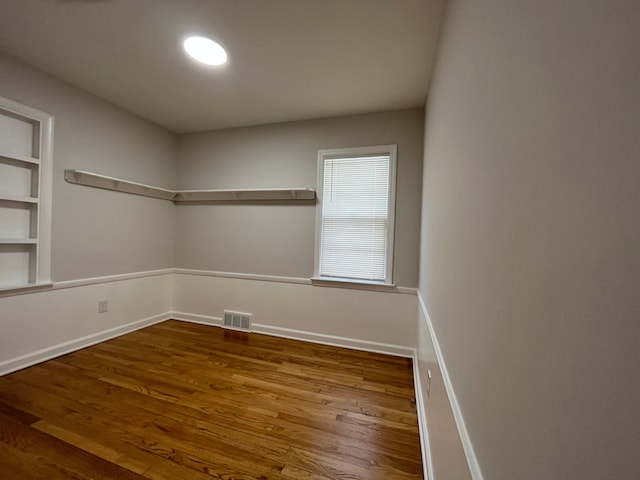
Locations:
{"points": [[89, 179], [19, 158], [17, 199], [228, 195], [18, 241]]}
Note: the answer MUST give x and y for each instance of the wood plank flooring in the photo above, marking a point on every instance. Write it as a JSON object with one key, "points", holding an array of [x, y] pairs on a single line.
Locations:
{"points": [[180, 401]]}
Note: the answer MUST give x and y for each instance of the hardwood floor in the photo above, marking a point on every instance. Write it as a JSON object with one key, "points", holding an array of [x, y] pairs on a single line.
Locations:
{"points": [[179, 401]]}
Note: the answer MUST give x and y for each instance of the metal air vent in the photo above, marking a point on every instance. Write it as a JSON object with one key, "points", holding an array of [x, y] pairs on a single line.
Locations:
{"points": [[237, 320]]}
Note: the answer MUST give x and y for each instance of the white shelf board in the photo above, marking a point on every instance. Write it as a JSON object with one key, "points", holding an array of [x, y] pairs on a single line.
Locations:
{"points": [[89, 179], [19, 158], [14, 198], [18, 241], [230, 195]]}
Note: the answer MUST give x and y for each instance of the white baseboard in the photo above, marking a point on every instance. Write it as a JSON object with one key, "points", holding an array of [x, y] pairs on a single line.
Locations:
{"points": [[194, 318], [305, 336], [45, 354], [334, 341], [474, 466], [427, 462]]}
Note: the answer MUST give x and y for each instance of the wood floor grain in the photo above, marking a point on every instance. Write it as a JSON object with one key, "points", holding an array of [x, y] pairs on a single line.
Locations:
{"points": [[179, 401]]}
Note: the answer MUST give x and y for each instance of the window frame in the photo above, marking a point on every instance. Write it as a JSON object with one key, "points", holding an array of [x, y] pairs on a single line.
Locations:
{"points": [[368, 151]]}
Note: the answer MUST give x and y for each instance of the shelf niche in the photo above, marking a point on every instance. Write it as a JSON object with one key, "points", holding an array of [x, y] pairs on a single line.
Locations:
{"points": [[95, 180], [26, 141]]}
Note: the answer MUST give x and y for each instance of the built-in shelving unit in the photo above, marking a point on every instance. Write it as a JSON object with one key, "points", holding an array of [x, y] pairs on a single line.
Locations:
{"points": [[89, 179], [26, 139]]}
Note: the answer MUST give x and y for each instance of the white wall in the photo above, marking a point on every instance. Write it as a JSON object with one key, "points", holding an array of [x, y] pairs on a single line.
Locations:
{"points": [[443, 446], [96, 232], [43, 325], [530, 265], [358, 318], [279, 239]]}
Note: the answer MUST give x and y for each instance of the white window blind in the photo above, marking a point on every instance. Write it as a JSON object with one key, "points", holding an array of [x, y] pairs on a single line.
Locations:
{"points": [[356, 224]]}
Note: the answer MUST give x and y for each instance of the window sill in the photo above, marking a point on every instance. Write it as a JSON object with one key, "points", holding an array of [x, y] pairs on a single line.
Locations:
{"points": [[355, 284]]}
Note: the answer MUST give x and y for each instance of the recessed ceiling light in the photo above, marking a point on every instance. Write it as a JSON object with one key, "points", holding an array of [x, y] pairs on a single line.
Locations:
{"points": [[205, 50]]}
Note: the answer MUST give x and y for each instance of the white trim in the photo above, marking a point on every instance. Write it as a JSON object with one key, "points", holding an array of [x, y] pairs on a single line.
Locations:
{"points": [[195, 318], [474, 466], [349, 283], [427, 461], [48, 353], [23, 111], [24, 289], [110, 278], [45, 197], [243, 276], [333, 341], [406, 290], [298, 280]]}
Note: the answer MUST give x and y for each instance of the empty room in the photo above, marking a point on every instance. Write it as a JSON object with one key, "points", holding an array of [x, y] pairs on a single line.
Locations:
{"points": [[319, 239]]}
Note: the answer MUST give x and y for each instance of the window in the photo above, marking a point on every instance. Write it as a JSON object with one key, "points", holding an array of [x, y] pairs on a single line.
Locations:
{"points": [[355, 217], [26, 140]]}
